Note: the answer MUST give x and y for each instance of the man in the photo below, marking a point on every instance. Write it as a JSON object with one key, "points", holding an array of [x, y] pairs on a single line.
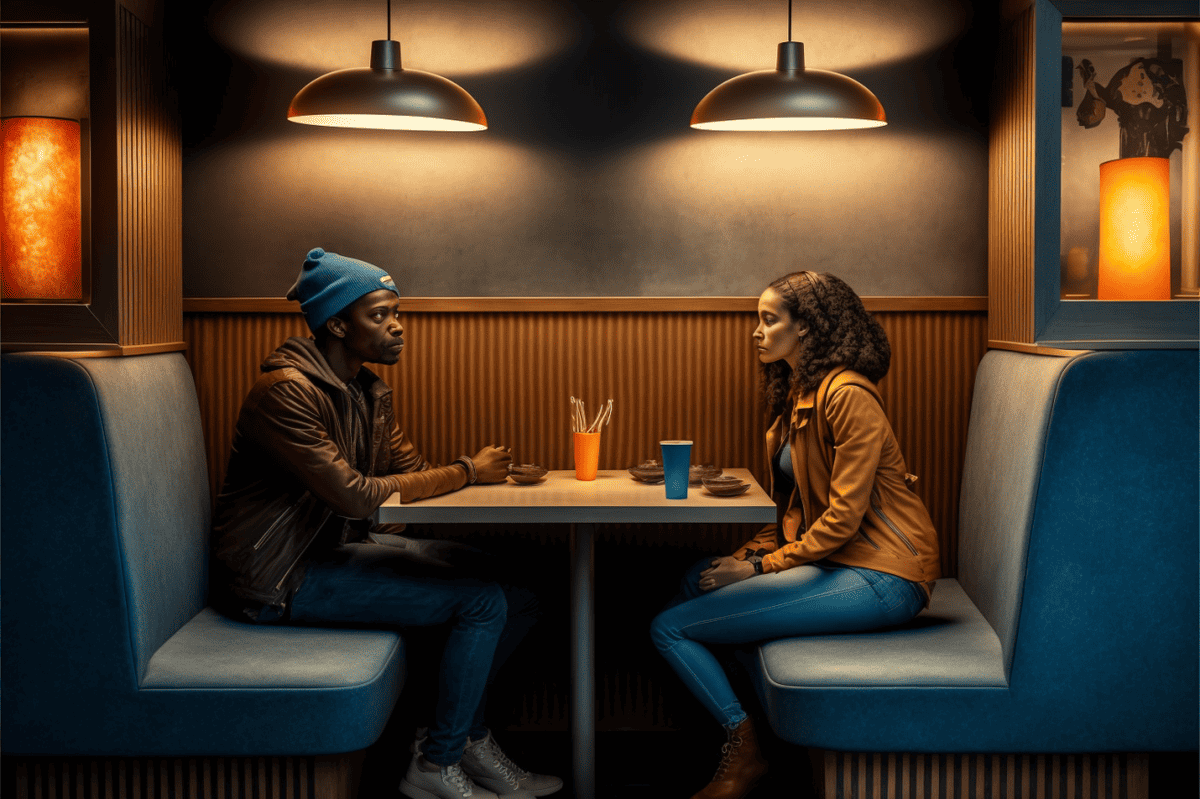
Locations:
{"points": [[316, 450]]}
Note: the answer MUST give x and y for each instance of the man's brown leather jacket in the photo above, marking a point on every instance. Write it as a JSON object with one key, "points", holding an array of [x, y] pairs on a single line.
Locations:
{"points": [[290, 491]]}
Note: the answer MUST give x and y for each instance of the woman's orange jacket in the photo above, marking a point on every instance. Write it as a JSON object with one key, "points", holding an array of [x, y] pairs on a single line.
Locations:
{"points": [[851, 486]]}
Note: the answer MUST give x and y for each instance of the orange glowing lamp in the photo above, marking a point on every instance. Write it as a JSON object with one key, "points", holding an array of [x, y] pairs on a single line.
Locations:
{"points": [[1135, 232], [41, 255]]}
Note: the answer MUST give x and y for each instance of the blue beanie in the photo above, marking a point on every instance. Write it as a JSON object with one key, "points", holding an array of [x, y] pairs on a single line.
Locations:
{"points": [[330, 282]]}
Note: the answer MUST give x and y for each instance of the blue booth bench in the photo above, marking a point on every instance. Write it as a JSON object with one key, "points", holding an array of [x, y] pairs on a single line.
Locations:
{"points": [[1070, 630], [111, 654]]}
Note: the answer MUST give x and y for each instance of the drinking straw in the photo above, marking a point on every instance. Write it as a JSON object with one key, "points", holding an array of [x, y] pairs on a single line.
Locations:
{"points": [[602, 417], [577, 421]]}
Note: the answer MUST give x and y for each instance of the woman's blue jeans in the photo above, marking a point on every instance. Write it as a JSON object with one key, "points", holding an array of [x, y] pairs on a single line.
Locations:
{"points": [[811, 599], [373, 585]]}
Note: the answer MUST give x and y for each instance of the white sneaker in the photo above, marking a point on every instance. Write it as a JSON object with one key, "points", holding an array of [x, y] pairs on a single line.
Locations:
{"points": [[442, 782], [487, 765]]}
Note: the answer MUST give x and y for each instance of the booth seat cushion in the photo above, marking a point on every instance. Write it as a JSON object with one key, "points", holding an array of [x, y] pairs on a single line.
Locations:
{"points": [[220, 685], [212, 651], [950, 644]]}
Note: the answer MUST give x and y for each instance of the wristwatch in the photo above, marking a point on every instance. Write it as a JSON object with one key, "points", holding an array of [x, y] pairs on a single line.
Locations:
{"points": [[757, 561]]}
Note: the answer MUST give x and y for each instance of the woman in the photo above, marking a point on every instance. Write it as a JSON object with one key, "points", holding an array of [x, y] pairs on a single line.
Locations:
{"points": [[853, 548]]}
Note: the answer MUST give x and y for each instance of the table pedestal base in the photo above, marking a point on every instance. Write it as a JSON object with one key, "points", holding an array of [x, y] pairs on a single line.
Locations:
{"points": [[583, 689]]}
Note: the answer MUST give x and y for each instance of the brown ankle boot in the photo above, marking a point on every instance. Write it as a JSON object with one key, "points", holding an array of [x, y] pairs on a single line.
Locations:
{"points": [[742, 765]]}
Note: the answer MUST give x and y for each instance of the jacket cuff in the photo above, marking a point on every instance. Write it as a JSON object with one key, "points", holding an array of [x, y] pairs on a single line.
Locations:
{"points": [[469, 465]]}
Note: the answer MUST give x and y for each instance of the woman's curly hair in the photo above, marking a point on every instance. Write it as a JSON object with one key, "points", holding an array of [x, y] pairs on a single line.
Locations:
{"points": [[840, 333]]}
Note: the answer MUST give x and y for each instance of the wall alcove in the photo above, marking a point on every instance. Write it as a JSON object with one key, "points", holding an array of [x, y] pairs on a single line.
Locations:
{"points": [[132, 203]]}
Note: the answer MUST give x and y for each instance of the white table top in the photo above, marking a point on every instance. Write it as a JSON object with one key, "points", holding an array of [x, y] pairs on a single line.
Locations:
{"points": [[613, 497]]}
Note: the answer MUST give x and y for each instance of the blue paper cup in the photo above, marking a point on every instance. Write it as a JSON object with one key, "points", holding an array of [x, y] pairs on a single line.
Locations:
{"points": [[676, 459]]}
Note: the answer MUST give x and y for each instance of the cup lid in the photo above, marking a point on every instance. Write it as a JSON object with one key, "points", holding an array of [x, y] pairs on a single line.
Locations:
{"points": [[674, 442]]}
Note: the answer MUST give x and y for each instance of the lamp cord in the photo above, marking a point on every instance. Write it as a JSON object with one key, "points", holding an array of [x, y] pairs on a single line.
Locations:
{"points": [[789, 19], [389, 16]]}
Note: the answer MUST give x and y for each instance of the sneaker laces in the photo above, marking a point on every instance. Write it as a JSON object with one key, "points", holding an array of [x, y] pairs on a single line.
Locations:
{"points": [[453, 777], [505, 762]]}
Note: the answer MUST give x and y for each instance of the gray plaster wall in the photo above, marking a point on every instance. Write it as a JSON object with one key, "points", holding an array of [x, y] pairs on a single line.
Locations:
{"points": [[589, 180]]}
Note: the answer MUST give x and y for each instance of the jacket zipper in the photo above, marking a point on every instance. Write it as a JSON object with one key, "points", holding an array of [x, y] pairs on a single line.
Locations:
{"points": [[862, 531], [280, 520], [877, 506], [300, 557]]}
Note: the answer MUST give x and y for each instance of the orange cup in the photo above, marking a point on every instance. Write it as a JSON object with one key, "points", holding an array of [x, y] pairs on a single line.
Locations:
{"points": [[587, 455]]}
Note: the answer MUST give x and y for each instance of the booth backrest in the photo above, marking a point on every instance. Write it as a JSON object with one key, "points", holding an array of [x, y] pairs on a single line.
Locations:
{"points": [[106, 456], [1080, 532], [1014, 392], [1111, 590]]}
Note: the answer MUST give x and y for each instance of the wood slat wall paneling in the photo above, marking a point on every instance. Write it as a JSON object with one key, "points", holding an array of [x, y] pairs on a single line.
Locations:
{"points": [[466, 380], [306, 777], [150, 217], [1011, 152], [858, 775]]}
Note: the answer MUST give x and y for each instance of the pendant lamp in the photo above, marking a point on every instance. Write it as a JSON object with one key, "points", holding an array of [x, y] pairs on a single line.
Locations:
{"points": [[789, 97], [386, 96]]}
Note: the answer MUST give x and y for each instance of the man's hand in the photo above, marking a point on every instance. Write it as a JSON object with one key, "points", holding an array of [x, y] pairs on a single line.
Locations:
{"points": [[724, 571], [491, 464]]}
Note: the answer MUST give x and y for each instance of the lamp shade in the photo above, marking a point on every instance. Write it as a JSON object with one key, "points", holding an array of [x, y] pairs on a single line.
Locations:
{"points": [[789, 97], [41, 255], [386, 97], [1135, 230]]}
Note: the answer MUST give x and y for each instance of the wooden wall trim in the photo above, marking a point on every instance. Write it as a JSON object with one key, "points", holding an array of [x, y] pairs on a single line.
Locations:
{"points": [[114, 351], [149, 189], [572, 304], [1033, 349]]}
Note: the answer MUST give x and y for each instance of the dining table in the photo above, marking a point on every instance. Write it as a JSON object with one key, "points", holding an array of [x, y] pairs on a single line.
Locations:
{"points": [[614, 497]]}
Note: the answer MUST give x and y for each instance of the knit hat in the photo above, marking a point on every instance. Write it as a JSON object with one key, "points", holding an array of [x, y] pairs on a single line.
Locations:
{"points": [[330, 282]]}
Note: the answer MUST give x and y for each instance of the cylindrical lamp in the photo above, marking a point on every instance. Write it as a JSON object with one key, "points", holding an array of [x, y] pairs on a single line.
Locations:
{"points": [[1135, 230], [41, 255]]}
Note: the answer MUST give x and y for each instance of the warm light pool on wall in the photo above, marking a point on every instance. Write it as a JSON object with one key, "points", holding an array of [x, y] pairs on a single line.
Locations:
{"points": [[386, 97], [789, 97]]}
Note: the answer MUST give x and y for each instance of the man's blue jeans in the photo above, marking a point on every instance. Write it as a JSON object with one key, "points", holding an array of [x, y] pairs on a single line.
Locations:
{"points": [[811, 599], [375, 585]]}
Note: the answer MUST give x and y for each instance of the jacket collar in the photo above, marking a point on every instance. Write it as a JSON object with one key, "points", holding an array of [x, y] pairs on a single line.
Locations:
{"points": [[802, 409], [303, 355]]}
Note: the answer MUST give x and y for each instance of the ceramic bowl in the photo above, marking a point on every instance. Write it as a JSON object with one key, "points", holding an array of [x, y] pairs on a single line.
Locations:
{"points": [[698, 474], [726, 486], [526, 473], [648, 472]]}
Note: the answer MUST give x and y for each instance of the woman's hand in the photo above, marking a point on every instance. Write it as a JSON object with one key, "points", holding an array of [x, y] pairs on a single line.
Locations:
{"points": [[724, 571]]}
